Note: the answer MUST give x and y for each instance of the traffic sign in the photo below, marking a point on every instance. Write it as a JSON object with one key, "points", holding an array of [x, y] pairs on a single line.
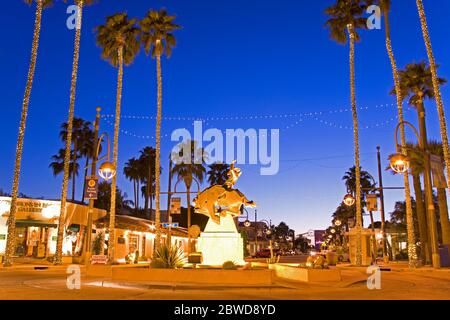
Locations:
{"points": [[175, 206], [91, 190]]}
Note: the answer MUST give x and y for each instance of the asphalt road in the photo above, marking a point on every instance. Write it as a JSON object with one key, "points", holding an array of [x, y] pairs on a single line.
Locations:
{"points": [[51, 285]]}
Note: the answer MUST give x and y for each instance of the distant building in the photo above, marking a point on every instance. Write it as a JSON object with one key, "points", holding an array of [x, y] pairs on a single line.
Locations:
{"points": [[262, 241]]}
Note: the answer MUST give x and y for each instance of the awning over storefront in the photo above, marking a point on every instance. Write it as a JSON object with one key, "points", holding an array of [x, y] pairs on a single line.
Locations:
{"points": [[34, 223], [137, 224]]}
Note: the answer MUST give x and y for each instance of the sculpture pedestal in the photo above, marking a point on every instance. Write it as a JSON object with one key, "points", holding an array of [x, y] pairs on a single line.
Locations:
{"points": [[221, 242]]}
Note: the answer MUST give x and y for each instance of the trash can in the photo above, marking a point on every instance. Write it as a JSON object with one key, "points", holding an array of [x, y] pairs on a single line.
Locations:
{"points": [[445, 256]]}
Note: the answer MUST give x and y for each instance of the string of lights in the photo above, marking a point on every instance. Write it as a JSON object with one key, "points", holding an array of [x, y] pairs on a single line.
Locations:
{"points": [[252, 117], [298, 119]]}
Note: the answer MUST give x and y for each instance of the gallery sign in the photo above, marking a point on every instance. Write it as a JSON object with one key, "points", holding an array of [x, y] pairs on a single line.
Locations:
{"points": [[31, 209]]}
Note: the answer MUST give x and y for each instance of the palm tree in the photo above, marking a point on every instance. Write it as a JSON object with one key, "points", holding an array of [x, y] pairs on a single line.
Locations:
{"points": [[385, 6], [366, 181], [118, 38], [57, 164], [9, 250], [81, 146], [436, 81], [416, 84], [346, 15], [86, 146], [132, 172], [158, 39], [73, 84], [147, 161], [416, 169], [190, 167], [218, 173], [437, 149]]}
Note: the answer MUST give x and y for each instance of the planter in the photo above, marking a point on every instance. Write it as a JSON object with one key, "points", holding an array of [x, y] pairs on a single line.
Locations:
{"points": [[194, 276], [294, 273]]}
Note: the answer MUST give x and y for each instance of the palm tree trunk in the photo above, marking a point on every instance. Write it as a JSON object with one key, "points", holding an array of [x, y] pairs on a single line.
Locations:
{"points": [[135, 196], [421, 217], [356, 144], [62, 215], [158, 152], [9, 250], [151, 193], [443, 214], [74, 169], [86, 168], [112, 213], [169, 188], [147, 191], [437, 91], [412, 249], [431, 212], [188, 197]]}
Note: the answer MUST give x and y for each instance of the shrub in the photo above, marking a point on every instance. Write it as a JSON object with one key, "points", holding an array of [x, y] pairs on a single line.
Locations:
{"points": [[229, 265], [273, 260], [97, 245], [169, 256], [157, 264]]}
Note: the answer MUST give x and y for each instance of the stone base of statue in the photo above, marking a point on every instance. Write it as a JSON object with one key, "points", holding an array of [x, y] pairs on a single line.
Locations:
{"points": [[219, 243]]}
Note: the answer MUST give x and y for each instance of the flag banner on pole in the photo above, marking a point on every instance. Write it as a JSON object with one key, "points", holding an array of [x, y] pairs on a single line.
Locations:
{"points": [[437, 169], [372, 202], [175, 206]]}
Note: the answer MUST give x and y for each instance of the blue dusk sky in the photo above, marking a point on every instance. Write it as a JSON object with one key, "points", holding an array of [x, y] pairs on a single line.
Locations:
{"points": [[233, 58]]}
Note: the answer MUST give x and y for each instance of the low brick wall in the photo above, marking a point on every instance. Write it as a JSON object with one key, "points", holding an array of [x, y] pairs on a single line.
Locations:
{"points": [[201, 276]]}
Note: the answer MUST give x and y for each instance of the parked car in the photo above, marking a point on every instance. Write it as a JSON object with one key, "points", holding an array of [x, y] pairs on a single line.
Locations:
{"points": [[265, 253]]}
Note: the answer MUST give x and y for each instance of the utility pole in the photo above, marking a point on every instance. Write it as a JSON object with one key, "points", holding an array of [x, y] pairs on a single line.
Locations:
{"points": [[256, 231], [435, 257], [383, 219], [87, 256]]}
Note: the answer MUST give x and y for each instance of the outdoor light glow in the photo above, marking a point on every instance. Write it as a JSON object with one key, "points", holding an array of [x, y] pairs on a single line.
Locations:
{"points": [[107, 171], [349, 200], [247, 223], [337, 223], [333, 231], [399, 163], [51, 211], [4, 207]]}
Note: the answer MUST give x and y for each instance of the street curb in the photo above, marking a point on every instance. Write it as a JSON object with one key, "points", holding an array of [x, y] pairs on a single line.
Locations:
{"points": [[175, 286]]}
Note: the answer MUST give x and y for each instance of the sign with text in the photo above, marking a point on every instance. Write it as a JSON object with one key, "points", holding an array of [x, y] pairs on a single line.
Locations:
{"points": [[91, 191], [100, 259], [372, 202], [175, 206]]}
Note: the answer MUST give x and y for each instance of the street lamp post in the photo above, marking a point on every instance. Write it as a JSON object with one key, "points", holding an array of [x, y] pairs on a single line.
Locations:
{"points": [[400, 164], [106, 171]]}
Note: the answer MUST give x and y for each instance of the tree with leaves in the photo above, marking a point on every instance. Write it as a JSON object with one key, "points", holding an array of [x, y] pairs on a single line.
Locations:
{"points": [[218, 173]]}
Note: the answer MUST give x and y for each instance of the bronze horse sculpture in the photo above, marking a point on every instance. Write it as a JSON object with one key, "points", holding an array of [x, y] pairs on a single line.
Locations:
{"points": [[220, 200]]}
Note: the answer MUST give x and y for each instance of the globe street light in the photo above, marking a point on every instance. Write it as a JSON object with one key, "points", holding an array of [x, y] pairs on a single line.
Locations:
{"points": [[399, 163], [349, 200], [107, 169]]}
